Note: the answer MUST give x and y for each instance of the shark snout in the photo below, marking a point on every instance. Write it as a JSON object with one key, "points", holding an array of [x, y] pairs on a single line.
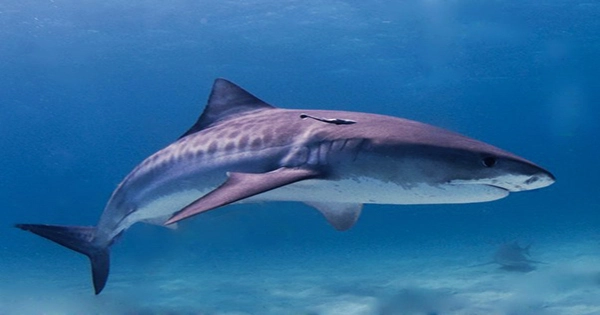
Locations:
{"points": [[514, 183], [539, 180]]}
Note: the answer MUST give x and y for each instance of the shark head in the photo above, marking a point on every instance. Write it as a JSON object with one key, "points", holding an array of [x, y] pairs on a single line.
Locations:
{"points": [[503, 171], [465, 161], [459, 169]]}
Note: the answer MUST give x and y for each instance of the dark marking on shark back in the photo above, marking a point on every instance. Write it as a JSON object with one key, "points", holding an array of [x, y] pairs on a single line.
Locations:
{"points": [[229, 147], [234, 134], [243, 142], [212, 148]]}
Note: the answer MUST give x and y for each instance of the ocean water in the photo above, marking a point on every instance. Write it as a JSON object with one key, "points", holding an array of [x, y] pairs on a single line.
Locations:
{"points": [[88, 89]]}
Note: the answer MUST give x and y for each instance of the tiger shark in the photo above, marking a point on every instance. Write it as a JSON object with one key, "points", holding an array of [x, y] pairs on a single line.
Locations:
{"points": [[242, 149], [513, 257]]}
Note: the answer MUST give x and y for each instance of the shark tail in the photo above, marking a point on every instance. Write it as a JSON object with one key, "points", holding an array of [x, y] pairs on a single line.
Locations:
{"points": [[79, 239]]}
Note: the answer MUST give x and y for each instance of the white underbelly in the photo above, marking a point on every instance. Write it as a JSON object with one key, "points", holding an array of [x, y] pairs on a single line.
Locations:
{"points": [[160, 209], [363, 190], [369, 190]]}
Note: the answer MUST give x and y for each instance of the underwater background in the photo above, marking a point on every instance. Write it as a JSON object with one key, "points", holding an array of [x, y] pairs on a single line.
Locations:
{"points": [[88, 89]]}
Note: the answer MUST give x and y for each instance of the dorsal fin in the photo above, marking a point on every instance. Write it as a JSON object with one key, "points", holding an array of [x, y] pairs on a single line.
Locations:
{"points": [[225, 101]]}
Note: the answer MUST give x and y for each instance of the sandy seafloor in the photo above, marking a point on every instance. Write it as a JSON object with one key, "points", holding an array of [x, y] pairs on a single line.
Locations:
{"points": [[431, 278]]}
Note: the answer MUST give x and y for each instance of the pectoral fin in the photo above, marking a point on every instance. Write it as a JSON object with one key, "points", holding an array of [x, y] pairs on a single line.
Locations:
{"points": [[240, 186], [342, 216]]}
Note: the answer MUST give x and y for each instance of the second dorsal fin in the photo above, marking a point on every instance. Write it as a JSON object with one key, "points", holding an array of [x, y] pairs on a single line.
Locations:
{"points": [[226, 100]]}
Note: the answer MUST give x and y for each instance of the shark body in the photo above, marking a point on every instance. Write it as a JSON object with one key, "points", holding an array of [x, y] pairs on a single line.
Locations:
{"points": [[513, 257], [242, 149]]}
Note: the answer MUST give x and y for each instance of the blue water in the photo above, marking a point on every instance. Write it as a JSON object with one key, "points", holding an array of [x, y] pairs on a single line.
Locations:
{"points": [[89, 89]]}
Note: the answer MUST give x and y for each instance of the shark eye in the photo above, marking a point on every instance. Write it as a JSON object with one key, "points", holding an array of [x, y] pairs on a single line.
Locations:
{"points": [[489, 161]]}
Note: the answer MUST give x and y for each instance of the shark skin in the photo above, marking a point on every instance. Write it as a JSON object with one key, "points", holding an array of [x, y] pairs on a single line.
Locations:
{"points": [[242, 149]]}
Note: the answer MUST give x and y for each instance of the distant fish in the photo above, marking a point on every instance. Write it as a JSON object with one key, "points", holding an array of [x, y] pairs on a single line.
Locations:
{"points": [[511, 256], [242, 149]]}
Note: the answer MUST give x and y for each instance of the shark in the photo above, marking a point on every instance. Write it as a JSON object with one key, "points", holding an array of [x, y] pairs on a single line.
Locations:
{"points": [[511, 256], [242, 149], [514, 257]]}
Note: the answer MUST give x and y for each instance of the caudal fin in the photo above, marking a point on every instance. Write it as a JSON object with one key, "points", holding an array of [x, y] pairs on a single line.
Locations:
{"points": [[79, 239]]}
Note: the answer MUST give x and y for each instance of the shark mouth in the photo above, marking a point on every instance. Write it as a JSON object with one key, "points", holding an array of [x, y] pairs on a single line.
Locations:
{"points": [[498, 187], [510, 183]]}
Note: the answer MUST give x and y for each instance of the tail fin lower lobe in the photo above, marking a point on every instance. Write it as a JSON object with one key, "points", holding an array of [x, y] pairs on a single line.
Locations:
{"points": [[79, 239]]}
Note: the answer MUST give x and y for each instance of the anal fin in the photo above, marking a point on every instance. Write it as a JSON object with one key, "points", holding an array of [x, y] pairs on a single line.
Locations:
{"points": [[342, 216], [241, 186]]}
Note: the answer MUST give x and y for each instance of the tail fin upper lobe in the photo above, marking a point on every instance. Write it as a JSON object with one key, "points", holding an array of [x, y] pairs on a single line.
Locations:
{"points": [[79, 239]]}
